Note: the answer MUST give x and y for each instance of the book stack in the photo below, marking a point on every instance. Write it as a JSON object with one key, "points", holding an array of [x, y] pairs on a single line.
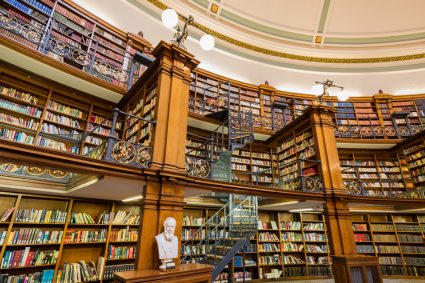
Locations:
{"points": [[81, 218], [5, 216], [126, 217], [26, 257], [79, 272]]}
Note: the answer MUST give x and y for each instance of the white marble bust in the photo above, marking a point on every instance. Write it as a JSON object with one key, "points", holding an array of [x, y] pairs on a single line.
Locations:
{"points": [[168, 244]]}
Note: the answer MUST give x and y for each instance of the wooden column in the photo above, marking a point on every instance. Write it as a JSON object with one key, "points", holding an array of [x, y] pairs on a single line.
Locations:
{"points": [[336, 209], [169, 140], [164, 197]]}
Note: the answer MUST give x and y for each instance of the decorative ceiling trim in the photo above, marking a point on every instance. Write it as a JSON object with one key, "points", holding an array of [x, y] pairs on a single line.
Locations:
{"points": [[289, 56], [323, 16], [376, 40], [202, 3]]}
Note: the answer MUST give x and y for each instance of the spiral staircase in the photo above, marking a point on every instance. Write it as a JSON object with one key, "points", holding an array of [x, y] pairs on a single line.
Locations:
{"points": [[227, 233]]}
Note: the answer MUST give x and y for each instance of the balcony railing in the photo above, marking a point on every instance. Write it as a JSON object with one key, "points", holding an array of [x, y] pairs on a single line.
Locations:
{"points": [[46, 40]]}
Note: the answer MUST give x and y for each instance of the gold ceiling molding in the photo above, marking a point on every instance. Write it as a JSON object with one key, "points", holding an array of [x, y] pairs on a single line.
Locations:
{"points": [[284, 55]]}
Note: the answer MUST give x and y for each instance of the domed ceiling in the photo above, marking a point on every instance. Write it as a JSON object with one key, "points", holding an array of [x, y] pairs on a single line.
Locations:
{"points": [[363, 45], [313, 31]]}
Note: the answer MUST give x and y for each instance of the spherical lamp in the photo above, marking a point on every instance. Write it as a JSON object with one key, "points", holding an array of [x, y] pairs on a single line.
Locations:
{"points": [[342, 95], [169, 18], [207, 42]]}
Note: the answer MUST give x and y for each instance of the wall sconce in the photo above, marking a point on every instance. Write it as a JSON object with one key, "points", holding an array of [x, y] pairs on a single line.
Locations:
{"points": [[170, 19], [342, 96]]}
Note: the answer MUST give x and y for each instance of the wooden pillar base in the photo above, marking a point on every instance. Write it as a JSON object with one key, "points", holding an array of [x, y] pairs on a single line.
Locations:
{"points": [[356, 269]]}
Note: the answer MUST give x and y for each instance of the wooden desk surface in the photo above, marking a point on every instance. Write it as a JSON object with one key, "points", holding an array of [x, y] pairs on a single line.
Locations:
{"points": [[192, 272]]}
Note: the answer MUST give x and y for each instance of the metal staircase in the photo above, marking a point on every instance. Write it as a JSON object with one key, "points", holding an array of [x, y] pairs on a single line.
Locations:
{"points": [[227, 232]]}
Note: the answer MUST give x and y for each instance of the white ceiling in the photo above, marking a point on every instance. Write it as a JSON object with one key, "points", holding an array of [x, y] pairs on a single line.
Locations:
{"points": [[359, 22]]}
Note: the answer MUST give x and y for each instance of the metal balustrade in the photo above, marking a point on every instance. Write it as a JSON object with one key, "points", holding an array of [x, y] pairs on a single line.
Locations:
{"points": [[46, 41]]}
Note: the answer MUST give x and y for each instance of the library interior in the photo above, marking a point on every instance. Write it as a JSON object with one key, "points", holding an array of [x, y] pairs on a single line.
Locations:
{"points": [[285, 138]]}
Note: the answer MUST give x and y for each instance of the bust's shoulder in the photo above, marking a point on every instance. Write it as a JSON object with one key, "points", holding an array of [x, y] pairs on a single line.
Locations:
{"points": [[159, 236]]}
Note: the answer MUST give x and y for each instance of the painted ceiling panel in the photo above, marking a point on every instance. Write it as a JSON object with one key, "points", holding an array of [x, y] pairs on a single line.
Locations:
{"points": [[375, 18], [283, 14]]}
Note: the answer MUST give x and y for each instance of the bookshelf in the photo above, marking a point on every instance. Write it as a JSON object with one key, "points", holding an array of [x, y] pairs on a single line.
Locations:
{"points": [[36, 113], [76, 38], [396, 239], [297, 161], [144, 106], [294, 243], [377, 174], [415, 161], [54, 237]]}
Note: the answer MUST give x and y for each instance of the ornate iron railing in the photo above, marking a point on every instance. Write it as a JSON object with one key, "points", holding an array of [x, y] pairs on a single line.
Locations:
{"points": [[48, 41], [354, 188]]}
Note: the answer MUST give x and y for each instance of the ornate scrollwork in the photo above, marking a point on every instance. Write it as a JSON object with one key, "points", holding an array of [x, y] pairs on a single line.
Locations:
{"points": [[266, 121], [390, 131], [120, 75], [197, 167], [80, 56], [353, 188], [10, 167], [202, 168], [124, 152], [344, 130], [8, 22], [144, 155], [58, 174], [278, 123], [366, 131], [189, 166], [378, 131], [318, 184], [35, 171], [59, 47], [309, 184], [404, 131], [31, 33], [221, 101], [416, 129], [195, 103], [101, 67], [355, 131]]}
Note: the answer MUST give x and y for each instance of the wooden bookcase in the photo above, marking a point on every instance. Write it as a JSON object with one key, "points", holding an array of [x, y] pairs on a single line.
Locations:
{"points": [[378, 173], [294, 243], [34, 112], [61, 232], [396, 239], [76, 37], [415, 157], [297, 157]]}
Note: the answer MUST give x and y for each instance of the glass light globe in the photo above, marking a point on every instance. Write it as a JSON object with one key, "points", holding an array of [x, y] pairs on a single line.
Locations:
{"points": [[342, 95], [169, 18], [207, 42], [317, 89]]}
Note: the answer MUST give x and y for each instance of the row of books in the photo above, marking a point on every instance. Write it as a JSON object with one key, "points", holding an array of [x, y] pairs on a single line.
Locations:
{"points": [[268, 237], [111, 269], [117, 252], [28, 257], [45, 276], [40, 216], [78, 272], [34, 236], [64, 120], [16, 136], [27, 110], [123, 235], [74, 112], [21, 122], [193, 221], [85, 236], [11, 92], [193, 234], [81, 218]]}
